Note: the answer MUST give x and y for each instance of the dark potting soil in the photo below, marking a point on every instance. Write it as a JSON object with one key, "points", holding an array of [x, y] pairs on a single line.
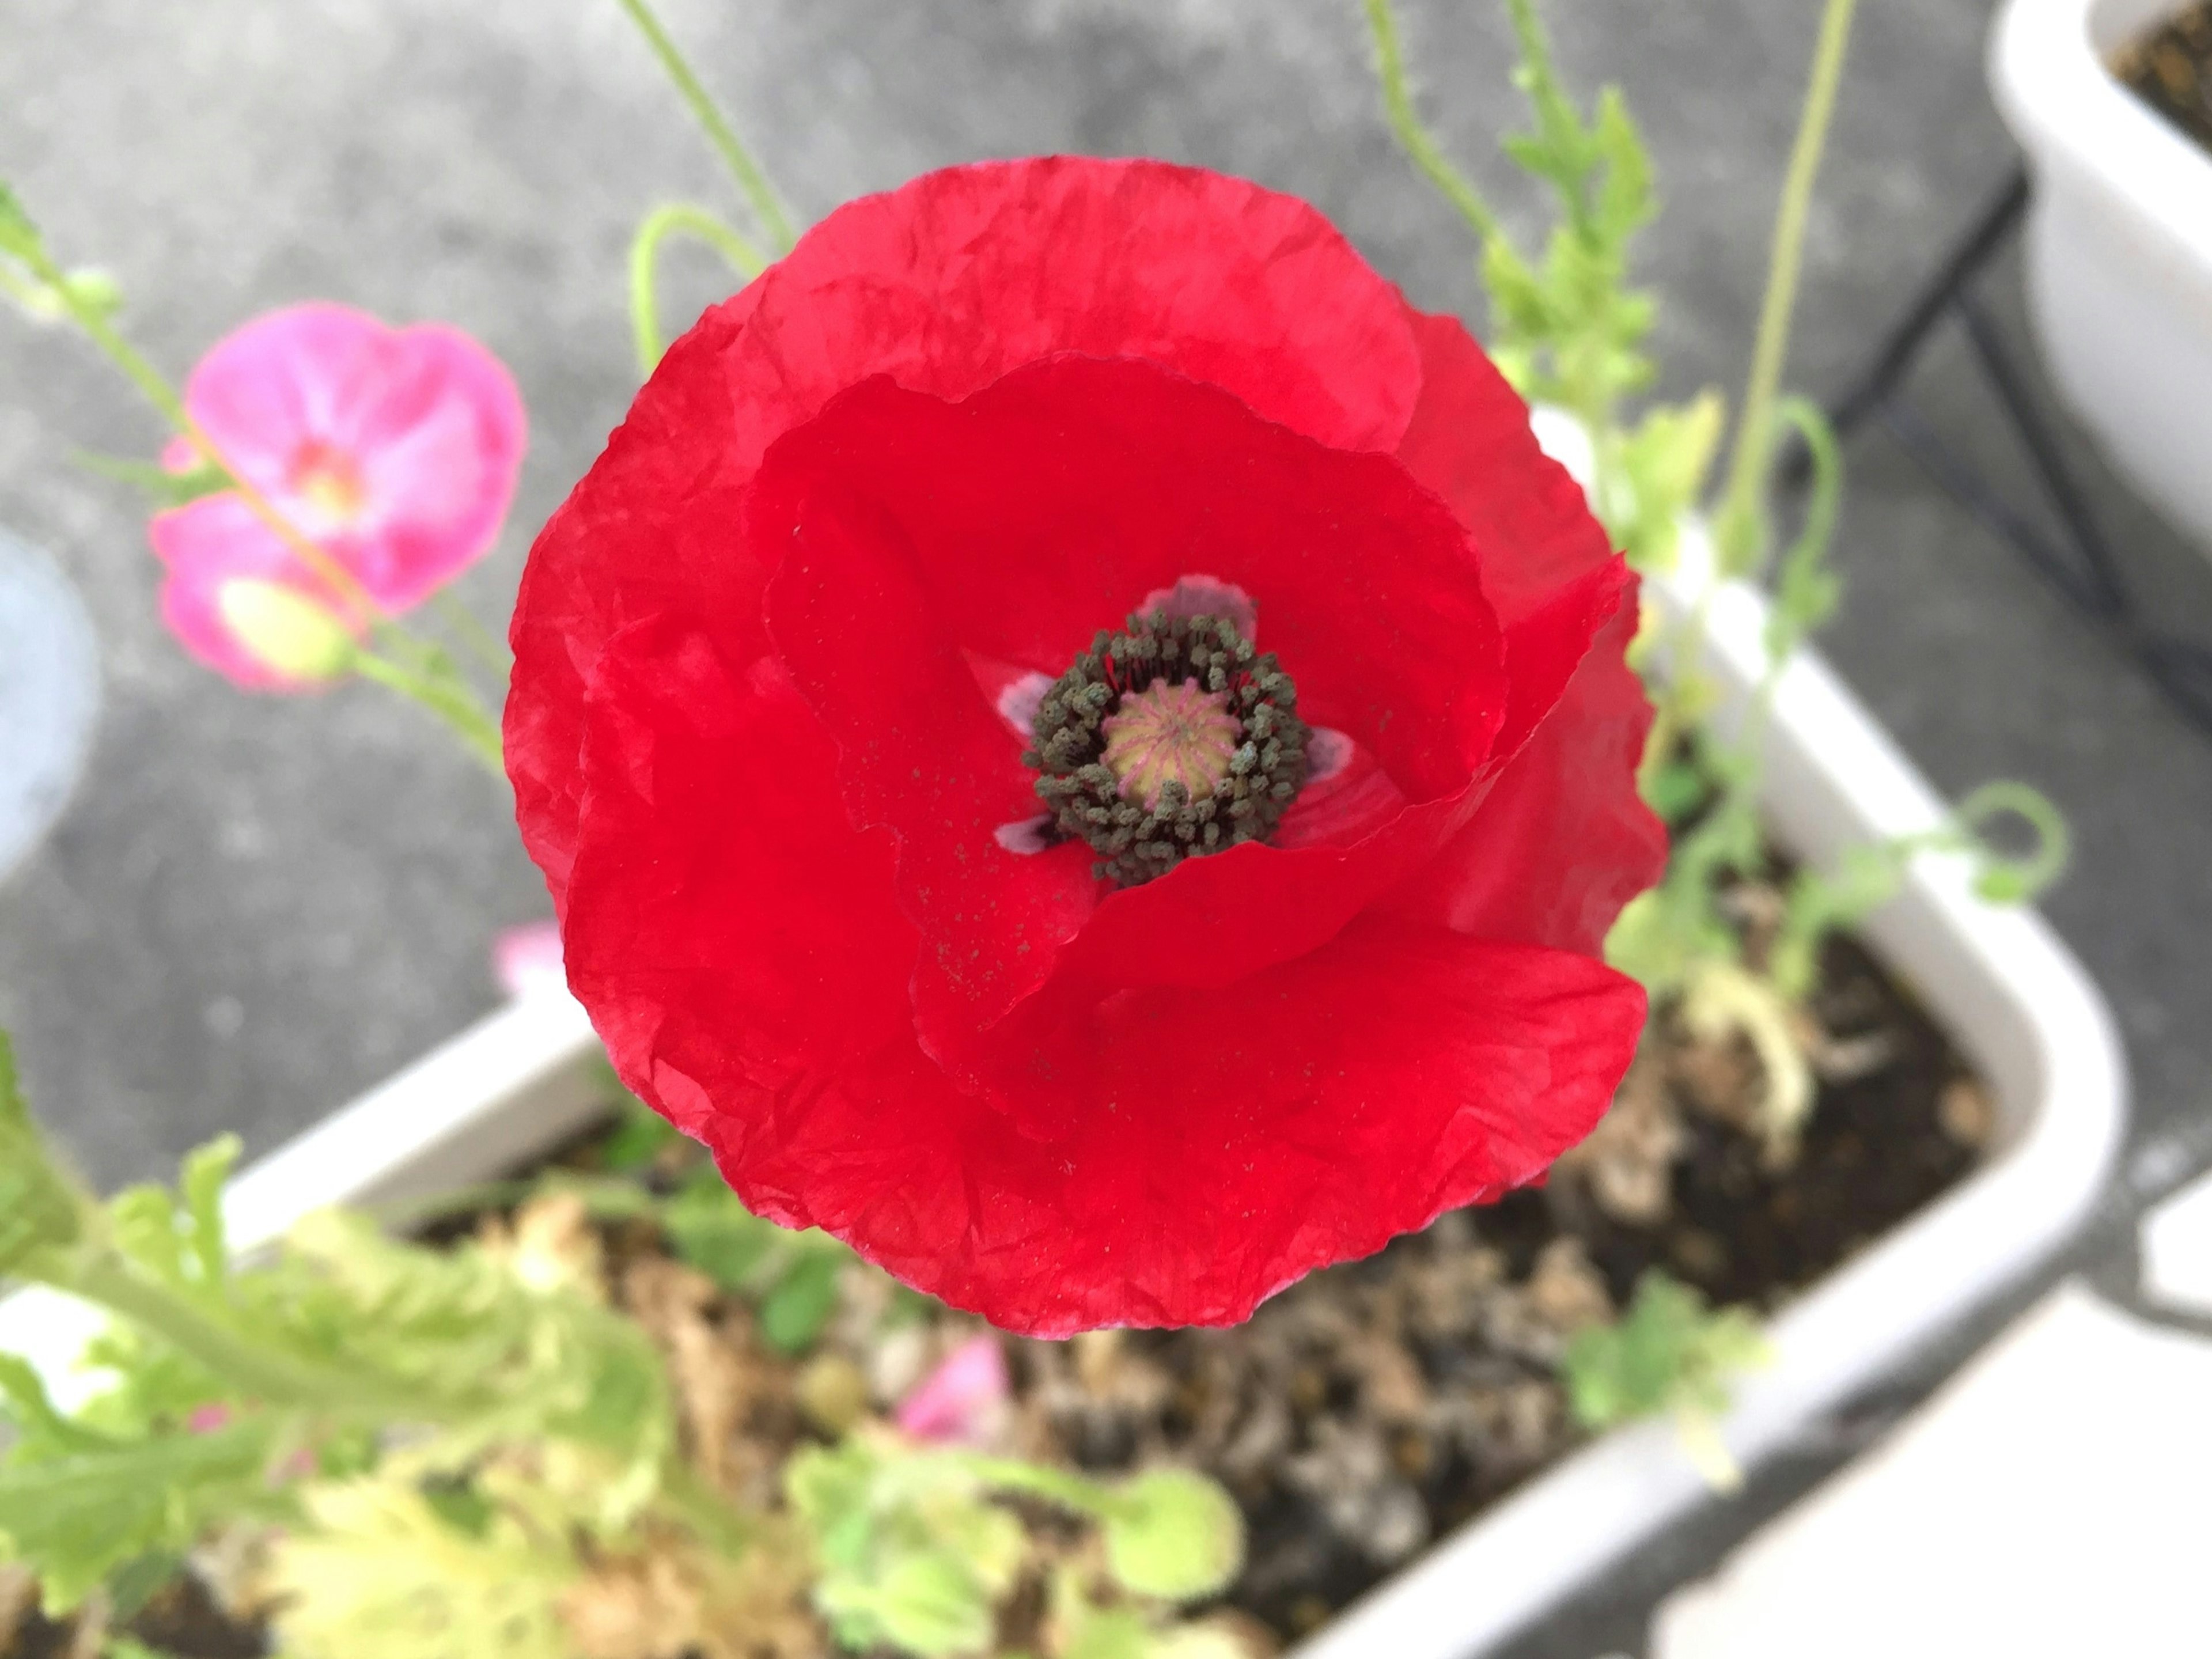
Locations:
{"points": [[1371, 1408], [2170, 69]]}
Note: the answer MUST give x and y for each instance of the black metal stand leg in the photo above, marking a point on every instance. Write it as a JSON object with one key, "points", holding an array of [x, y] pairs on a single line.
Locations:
{"points": [[2070, 553]]}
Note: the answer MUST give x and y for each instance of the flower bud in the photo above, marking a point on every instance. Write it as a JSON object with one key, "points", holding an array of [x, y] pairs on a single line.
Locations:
{"points": [[288, 633], [1173, 1534]]}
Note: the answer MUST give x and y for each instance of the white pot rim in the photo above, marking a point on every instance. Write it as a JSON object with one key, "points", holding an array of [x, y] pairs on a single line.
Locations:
{"points": [[2073, 115]]}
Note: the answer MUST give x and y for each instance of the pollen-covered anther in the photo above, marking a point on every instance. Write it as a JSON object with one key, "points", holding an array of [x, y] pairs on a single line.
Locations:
{"points": [[1171, 740], [1170, 733]]}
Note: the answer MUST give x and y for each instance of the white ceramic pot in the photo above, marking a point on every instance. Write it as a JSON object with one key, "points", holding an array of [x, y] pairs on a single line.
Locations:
{"points": [[1999, 982], [2119, 244]]}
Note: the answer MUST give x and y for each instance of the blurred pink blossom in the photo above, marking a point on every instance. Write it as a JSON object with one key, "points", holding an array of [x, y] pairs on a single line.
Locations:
{"points": [[963, 1400], [528, 958], [395, 450], [206, 1419]]}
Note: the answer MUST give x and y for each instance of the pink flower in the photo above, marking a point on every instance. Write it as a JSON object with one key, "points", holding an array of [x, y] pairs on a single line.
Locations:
{"points": [[963, 1400], [527, 959], [394, 450]]}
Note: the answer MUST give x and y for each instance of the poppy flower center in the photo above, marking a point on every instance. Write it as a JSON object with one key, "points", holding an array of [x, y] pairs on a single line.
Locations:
{"points": [[1171, 740]]}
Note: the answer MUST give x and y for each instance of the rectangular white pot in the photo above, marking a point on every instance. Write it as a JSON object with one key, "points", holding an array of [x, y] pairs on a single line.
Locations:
{"points": [[523, 1080], [2119, 244]]}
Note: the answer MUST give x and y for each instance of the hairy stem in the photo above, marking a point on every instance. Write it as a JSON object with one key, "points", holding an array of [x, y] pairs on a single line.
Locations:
{"points": [[273, 1378], [1739, 534], [750, 180], [1412, 137], [644, 262]]}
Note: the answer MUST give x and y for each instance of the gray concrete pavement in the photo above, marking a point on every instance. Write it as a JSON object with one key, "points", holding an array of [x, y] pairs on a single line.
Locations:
{"points": [[257, 906]]}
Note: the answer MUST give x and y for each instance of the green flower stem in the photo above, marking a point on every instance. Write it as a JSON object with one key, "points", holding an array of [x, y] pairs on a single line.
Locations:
{"points": [[438, 687], [477, 639], [750, 180], [32, 296], [1412, 137], [644, 261], [1739, 532]]}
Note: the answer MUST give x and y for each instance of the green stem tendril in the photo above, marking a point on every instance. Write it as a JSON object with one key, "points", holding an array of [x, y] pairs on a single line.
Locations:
{"points": [[1740, 535], [1412, 137], [750, 179], [674, 218], [2016, 880]]}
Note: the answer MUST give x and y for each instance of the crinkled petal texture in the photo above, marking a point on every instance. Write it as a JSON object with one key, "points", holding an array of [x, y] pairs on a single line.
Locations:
{"points": [[394, 450], [759, 751]]}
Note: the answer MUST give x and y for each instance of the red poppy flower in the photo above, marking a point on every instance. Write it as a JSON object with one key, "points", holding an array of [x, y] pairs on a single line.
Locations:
{"points": [[1079, 745]]}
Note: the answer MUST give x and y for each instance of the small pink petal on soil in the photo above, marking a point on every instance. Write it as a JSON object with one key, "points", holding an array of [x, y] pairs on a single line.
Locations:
{"points": [[963, 1400]]}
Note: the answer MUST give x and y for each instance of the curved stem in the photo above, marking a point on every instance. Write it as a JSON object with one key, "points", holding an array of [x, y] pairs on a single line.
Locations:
{"points": [[2025, 876], [445, 695], [750, 180], [474, 636], [661, 223], [1412, 137], [1737, 533]]}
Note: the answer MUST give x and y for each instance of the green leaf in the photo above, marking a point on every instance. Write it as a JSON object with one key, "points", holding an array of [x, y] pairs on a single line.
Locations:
{"points": [[793, 1314], [206, 1172], [1175, 1535], [716, 1234], [78, 1517], [1668, 1353], [932, 1605], [39, 1208], [640, 1136], [41, 1431], [381, 1573], [136, 1582]]}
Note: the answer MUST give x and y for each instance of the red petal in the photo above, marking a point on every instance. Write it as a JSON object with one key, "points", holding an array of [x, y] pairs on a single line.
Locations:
{"points": [[1012, 526], [650, 532], [1469, 441], [1564, 840], [923, 753], [1217, 1147], [733, 937], [939, 284]]}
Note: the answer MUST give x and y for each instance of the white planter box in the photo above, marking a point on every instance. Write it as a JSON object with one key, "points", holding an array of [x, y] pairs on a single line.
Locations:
{"points": [[2119, 244], [1998, 980]]}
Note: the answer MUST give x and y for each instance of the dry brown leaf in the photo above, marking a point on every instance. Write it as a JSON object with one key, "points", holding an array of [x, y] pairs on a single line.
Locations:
{"points": [[1565, 1289], [1628, 1160], [19, 1594], [715, 1384]]}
